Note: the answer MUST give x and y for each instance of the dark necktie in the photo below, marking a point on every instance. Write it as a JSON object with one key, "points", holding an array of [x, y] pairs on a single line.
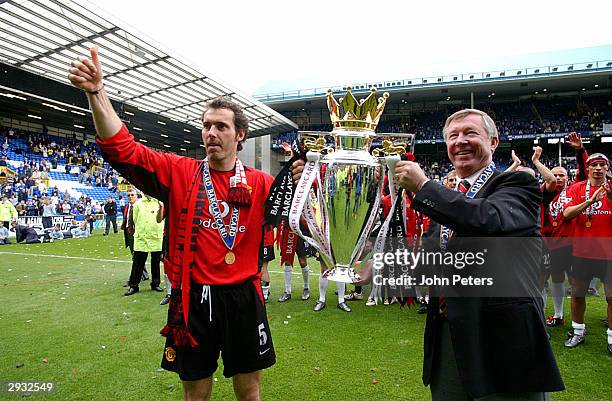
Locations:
{"points": [[463, 187], [130, 225]]}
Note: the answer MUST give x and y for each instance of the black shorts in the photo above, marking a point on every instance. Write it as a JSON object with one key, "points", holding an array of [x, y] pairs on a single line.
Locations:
{"points": [[231, 321], [300, 248], [268, 253], [584, 270], [561, 260]]}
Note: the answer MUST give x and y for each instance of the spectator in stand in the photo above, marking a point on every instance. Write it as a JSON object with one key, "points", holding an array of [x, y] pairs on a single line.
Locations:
{"points": [[3, 161], [66, 207], [31, 208], [22, 194], [21, 208], [4, 234], [7, 211], [110, 210]]}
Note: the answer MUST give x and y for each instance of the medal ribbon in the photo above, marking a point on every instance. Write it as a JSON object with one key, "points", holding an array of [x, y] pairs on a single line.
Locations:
{"points": [[228, 237], [556, 207], [445, 232], [589, 210]]}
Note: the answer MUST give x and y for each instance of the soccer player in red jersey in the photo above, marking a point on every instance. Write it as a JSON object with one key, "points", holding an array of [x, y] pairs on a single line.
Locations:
{"points": [[590, 212], [215, 220], [555, 229]]}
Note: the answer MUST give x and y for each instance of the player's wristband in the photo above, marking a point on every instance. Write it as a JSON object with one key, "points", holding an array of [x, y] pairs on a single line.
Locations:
{"points": [[96, 91]]}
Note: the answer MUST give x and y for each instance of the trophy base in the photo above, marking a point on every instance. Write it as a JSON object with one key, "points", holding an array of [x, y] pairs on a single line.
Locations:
{"points": [[342, 275]]}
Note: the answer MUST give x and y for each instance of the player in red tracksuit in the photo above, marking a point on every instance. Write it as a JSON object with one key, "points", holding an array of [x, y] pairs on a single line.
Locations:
{"points": [[590, 212], [215, 245]]}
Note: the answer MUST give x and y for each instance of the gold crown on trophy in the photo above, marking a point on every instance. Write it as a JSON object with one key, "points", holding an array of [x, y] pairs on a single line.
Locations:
{"points": [[362, 115]]}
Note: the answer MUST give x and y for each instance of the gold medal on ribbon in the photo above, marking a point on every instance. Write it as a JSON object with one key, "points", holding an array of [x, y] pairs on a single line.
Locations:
{"points": [[555, 224], [588, 224], [230, 258]]}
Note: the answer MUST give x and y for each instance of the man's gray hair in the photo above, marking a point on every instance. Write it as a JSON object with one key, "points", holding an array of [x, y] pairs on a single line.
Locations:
{"points": [[487, 121]]}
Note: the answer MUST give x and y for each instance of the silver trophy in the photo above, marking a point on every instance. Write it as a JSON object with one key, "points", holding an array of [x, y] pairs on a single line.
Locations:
{"points": [[342, 167]]}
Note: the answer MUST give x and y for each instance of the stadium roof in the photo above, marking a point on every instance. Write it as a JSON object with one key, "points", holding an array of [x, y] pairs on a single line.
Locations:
{"points": [[44, 36]]}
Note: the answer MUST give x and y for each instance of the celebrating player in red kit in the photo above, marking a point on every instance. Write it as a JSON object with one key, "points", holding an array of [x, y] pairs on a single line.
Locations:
{"points": [[215, 230], [590, 211]]}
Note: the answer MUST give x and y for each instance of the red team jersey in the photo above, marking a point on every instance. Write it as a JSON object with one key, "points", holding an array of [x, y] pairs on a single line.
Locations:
{"points": [[592, 236], [556, 230], [168, 177]]}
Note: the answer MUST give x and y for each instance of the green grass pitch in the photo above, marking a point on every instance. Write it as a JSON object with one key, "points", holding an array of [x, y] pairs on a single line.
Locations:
{"points": [[64, 318]]}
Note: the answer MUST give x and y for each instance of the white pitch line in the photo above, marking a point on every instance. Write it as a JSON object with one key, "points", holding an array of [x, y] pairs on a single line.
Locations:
{"points": [[43, 255]]}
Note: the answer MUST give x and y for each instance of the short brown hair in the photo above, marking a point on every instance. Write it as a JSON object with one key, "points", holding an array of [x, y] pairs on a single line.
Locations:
{"points": [[241, 122]]}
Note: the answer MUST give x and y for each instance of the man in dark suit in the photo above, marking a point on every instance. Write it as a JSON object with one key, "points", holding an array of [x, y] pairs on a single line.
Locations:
{"points": [[484, 347], [127, 225]]}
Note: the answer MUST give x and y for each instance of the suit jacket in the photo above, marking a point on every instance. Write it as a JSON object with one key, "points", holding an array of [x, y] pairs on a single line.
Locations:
{"points": [[124, 210], [500, 344], [128, 235]]}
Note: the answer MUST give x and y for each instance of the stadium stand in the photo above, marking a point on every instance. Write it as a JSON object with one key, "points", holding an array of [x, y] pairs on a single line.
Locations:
{"points": [[63, 169]]}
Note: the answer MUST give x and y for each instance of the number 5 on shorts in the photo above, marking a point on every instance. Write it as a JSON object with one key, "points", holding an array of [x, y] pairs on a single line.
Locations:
{"points": [[263, 337]]}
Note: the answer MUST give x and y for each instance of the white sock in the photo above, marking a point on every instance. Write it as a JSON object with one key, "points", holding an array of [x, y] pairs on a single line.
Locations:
{"points": [[557, 291], [374, 292], [609, 331], [418, 293], [544, 297], [288, 279], [265, 289], [322, 287], [168, 285], [593, 283], [340, 287], [305, 276], [578, 328]]}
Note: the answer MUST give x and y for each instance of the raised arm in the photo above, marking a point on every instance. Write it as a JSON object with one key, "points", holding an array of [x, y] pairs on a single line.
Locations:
{"points": [[87, 75], [575, 141], [516, 162], [571, 211], [547, 175]]}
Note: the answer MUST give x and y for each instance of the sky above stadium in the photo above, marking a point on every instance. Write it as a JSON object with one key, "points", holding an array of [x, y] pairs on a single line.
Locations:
{"points": [[269, 46]]}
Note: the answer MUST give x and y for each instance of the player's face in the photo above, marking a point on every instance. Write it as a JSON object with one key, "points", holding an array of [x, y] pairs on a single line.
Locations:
{"points": [[451, 181], [219, 134], [597, 170], [468, 145], [560, 176]]}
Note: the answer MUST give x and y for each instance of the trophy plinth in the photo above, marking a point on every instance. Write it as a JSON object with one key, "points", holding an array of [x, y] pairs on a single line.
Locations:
{"points": [[342, 275]]}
